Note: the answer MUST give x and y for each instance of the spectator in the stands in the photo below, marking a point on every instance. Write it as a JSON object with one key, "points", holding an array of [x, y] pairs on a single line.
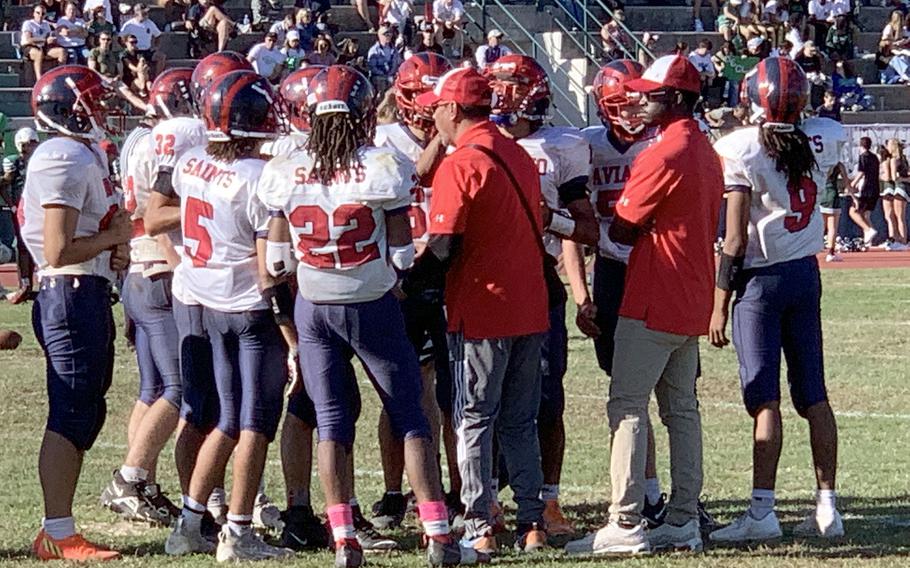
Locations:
{"points": [[749, 24], [97, 26], [849, 88], [363, 10], [427, 41], [616, 41], [319, 8], [323, 52], [894, 31], [820, 18], [135, 68], [447, 17], [71, 33], [383, 60], [728, 21], [682, 48], [774, 17], [811, 62], [349, 54], [729, 85], [175, 12], [283, 26], [103, 59], [696, 14], [54, 9], [758, 47], [839, 43], [399, 16], [307, 28], [38, 43], [830, 108], [785, 50], [207, 21], [892, 68], [649, 39], [796, 33], [91, 5], [493, 50], [294, 54], [148, 37], [701, 58], [266, 57], [265, 13]]}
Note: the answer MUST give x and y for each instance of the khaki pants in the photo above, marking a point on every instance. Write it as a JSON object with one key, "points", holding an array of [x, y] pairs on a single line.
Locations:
{"points": [[646, 361]]}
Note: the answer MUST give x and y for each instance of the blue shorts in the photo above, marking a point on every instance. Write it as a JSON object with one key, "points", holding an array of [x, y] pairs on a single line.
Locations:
{"points": [[329, 336], [148, 304], [554, 353], [249, 357], [74, 324], [425, 324], [200, 408], [778, 308], [608, 286]]}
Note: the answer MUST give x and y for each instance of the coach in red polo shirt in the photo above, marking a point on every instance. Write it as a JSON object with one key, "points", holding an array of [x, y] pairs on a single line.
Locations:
{"points": [[496, 301], [668, 211]]}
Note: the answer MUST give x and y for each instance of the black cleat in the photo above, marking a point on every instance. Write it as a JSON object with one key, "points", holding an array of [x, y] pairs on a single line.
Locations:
{"points": [[656, 513], [303, 530], [388, 512]]}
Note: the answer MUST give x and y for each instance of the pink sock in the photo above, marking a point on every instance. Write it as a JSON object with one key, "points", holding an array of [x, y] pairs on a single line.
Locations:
{"points": [[435, 518], [342, 521]]}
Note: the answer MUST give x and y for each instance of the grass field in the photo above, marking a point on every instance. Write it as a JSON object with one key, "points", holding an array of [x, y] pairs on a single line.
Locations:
{"points": [[866, 317]]}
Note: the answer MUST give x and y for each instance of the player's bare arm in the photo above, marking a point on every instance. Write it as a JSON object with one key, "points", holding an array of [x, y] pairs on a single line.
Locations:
{"points": [[586, 229], [736, 239], [277, 291], [162, 213], [429, 160], [61, 248], [573, 258]]}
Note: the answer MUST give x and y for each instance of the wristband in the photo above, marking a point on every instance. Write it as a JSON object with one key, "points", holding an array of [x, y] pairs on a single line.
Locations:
{"points": [[561, 225], [728, 273]]}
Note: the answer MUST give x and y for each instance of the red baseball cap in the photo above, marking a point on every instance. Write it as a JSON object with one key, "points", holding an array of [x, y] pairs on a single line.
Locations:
{"points": [[464, 86], [667, 72]]}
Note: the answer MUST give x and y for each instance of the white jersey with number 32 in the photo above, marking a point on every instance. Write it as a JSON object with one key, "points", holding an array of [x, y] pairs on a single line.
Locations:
{"points": [[339, 229], [611, 166], [220, 220], [397, 136], [784, 220], [174, 136], [561, 155]]}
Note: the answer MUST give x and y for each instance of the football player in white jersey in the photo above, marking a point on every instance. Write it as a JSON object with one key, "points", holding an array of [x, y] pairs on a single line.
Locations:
{"points": [[224, 228], [827, 138], [422, 307], [293, 110], [75, 229], [563, 159], [147, 301], [773, 234], [175, 133], [347, 210]]}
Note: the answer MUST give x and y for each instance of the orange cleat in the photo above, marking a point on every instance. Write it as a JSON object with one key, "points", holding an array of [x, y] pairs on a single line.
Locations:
{"points": [[74, 548], [557, 524]]}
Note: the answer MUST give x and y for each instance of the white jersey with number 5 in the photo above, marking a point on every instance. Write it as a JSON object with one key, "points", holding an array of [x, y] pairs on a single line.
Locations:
{"points": [[561, 155], [826, 138], [339, 229], [220, 220], [398, 136], [784, 220], [610, 169]]}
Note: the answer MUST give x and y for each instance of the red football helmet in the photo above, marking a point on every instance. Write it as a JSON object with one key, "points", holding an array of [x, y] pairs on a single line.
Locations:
{"points": [[520, 89], [778, 90], [170, 95], [71, 100], [240, 104], [417, 75], [611, 97], [340, 88], [213, 66], [293, 97]]}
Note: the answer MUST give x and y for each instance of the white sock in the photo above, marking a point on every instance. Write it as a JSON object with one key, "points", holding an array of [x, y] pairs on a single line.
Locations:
{"points": [[132, 474], [652, 490], [59, 528], [762, 503], [192, 513], [549, 491], [217, 498], [238, 525], [826, 500]]}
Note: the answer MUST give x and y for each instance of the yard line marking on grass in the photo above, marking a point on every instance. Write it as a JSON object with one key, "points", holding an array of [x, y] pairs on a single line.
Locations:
{"points": [[739, 407]]}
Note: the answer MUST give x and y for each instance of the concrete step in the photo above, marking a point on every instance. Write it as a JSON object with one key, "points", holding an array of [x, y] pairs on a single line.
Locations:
{"points": [[867, 41], [9, 80], [889, 97], [877, 117], [679, 18]]}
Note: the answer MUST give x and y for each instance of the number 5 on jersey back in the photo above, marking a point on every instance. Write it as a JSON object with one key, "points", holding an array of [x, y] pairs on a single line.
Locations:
{"points": [[193, 211]]}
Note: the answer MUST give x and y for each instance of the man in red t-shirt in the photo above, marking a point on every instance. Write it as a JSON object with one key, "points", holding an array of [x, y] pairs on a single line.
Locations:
{"points": [[668, 210], [496, 301]]}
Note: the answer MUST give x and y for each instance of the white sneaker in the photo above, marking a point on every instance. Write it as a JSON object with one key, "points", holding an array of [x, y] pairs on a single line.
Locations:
{"points": [[614, 539], [699, 27], [670, 537], [834, 258], [584, 545], [895, 246], [869, 236], [247, 546], [749, 529], [182, 541], [819, 524], [266, 515]]}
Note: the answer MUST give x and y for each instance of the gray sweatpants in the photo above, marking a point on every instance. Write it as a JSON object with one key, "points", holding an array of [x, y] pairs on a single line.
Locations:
{"points": [[497, 384]]}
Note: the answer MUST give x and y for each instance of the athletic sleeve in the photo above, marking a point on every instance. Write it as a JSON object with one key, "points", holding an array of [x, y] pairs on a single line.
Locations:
{"points": [[391, 176], [574, 167], [61, 183], [451, 201]]}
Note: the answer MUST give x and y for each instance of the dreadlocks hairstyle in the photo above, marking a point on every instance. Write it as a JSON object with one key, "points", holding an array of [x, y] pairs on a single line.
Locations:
{"points": [[790, 151], [334, 140], [234, 149]]}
